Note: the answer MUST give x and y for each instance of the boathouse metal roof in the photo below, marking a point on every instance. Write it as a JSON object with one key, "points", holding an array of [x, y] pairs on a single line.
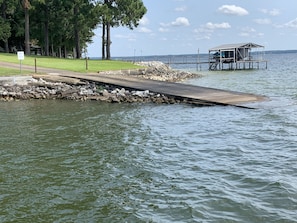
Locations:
{"points": [[236, 46]]}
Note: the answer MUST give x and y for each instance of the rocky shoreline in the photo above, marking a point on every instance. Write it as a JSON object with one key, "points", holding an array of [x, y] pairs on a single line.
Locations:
{"points": [[40, 87], [155, 70]]}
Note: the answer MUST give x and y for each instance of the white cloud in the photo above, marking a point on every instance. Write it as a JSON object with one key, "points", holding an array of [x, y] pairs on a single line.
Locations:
{"points": [[273, 12], [250, 32], [206, 31], [203, 34], [248, 29], [223, 25], [291, 24], [233, 10], [127, 37], [163, 30], [144, 21], [243, 34], [144, 30], [263, 21], [121, 36], [181, 9], [180, 21], [164, 24]]}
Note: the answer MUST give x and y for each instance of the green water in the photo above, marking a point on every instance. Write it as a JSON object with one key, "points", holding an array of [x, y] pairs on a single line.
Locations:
{"points": [[66, 161], [96, 162], [59, 159]]}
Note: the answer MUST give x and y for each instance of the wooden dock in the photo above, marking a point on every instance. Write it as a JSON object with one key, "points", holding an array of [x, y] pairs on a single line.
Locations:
{"points": [[191, 93]]}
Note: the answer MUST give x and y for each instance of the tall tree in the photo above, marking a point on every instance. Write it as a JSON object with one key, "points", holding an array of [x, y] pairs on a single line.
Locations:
{"points": [[26, 6], [85, 19], [44, 16], [119, 13], [7, 9], [5, 32], [66, 25], [109, 13], [57, 26]]}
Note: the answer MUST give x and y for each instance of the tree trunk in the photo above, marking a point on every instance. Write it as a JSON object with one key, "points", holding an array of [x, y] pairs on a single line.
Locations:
{"points": [[77, 44], [46, 40], [65, 52], [53, 50], [76, 35], [103, 40], [108, 43], [27, 27], [60, 52], [46, 33], [6, 46]]}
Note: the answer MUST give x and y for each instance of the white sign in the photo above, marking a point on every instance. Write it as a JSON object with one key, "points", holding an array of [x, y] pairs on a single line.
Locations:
{"points": [[21, 55]]}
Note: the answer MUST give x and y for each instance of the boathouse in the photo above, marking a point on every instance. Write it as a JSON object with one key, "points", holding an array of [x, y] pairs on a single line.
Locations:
{"points": [[239, 56]]}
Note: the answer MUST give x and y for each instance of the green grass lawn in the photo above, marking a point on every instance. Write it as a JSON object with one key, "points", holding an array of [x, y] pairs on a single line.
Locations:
{"points": [[77, 65], [12, 72]]}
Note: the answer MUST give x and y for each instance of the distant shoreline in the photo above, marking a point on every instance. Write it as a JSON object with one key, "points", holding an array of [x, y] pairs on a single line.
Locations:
{"points": [[131, 58]]}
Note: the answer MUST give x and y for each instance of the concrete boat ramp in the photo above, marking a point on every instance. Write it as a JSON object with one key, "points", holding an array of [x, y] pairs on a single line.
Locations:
{"points": [[190, 93]]}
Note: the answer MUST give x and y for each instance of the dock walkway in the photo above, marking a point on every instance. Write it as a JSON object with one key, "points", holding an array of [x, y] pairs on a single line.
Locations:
{"points": [[195, 94]]}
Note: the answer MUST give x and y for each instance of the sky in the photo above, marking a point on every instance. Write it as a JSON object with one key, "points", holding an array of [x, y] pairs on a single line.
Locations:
{"points": [[173, 27]]}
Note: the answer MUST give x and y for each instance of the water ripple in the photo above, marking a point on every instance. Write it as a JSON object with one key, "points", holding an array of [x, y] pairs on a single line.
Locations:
{"points": [[99, 162]]}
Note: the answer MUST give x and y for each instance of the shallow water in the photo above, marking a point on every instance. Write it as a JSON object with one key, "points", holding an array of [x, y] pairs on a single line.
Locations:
{"points": [[64, 161]]}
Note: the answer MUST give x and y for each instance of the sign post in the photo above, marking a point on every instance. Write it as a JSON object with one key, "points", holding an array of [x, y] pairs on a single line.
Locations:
{"points": [[21, 56]]}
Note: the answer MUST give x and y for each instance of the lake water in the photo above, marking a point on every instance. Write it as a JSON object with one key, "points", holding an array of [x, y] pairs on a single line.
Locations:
{"points": [[65, 161]]}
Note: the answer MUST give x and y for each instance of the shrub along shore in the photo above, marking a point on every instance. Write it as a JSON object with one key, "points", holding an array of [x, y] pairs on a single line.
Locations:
{"points": [[43, 87]]}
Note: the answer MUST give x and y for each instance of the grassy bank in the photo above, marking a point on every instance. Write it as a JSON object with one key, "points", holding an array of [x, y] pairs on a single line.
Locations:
{"points": [[11, 72], [77, 65]]}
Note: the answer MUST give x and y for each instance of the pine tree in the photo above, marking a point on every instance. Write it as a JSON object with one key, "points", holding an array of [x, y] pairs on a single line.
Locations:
{"points": [[119, 13]]}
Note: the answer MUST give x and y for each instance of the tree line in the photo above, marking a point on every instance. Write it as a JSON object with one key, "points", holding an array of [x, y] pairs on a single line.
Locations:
{"points": [[63, 27]]}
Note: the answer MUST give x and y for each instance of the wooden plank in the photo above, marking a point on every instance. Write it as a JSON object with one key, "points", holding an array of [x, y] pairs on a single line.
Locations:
{"points": [[186, 91]]}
